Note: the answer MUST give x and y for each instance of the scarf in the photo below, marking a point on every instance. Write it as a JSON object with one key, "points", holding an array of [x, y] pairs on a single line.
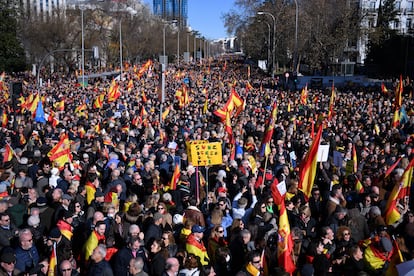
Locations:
{"points": [[252, 270]]}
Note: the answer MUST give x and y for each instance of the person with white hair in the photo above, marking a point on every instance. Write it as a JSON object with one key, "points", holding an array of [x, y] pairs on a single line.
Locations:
{"points": [[99, 266]]}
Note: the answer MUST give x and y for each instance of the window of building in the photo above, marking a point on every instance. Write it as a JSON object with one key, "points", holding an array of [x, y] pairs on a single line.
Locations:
{"points": [[372, 6], [408, 23], [410, 6], [397, 5]]}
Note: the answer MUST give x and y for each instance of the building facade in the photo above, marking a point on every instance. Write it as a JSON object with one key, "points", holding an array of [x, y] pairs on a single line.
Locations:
{"points": [[403, 23], [172, 10]]}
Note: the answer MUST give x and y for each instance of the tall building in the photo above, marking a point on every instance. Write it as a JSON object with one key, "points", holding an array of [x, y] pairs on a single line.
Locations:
{"points": [[172, 10], [403, 23]]}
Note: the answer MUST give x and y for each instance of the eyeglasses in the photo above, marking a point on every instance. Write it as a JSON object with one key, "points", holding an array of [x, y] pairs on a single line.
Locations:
{"points": [[264, 206], [164, 238], [221, 231], [66, 269], [256, 262], [77, 206], [347, 234], [271, 201], [10, 263]]}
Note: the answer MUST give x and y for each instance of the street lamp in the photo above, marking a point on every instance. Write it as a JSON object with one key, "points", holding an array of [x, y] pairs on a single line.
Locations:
{"points": [[296, 37], [274, 39], [178, 45], [268, 40], [163, 35], [195, 47], [83, 50]]}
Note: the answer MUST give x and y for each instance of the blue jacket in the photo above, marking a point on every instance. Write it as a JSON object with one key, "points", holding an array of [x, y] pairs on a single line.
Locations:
{"points": [[26, 259]]}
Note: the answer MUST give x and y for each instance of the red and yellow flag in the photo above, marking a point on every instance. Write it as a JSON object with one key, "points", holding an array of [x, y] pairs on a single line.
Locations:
{"points": [[98, 103], [175, 177], [4, 120], [165, 113], [359, 188], [130, 85], [308, 167], [398, 93], [354, 158], [396, 118], [384, 88], [53, 262], [265, 147], [285, 243], [60, 106], [393, 166], [8, 153], [400, 191], [60, 153], [113, 92], [304, 95], [331, 103]]}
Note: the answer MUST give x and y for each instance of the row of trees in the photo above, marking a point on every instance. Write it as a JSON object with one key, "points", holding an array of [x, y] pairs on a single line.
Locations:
{"points": [[37, 35], [328, 33]]}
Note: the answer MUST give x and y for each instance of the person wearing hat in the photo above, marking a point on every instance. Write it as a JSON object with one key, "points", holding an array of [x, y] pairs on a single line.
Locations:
{"points": [[7, 263], [195, 244], [63, 245], [62, 207], [65, 224], [379, 251]]}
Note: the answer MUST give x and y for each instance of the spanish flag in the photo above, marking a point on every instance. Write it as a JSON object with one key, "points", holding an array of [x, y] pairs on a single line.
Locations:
{"points": [[398, 93], [60, 106], [175, 177], [113, 93], [285, 243], [331, 103], [391, 169], [308, 166], [98, 103], [384, 88], [8, 153], [354, 159], [267, 138], [304, 95], [396, 118], [130, 85], [400, 191], [359, 188], [53, 262], [165, 113], [60, 153], [4, 119]]}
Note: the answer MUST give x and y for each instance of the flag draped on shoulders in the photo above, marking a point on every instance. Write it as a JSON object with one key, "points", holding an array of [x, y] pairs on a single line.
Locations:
{"points": [[308, 166]]}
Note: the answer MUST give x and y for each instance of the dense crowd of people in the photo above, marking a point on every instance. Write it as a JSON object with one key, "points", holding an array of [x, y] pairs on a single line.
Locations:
{"points": [[112, 210]]}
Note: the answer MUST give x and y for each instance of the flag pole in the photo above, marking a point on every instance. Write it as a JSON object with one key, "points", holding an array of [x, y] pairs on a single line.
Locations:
{"points": [[264, 171]]}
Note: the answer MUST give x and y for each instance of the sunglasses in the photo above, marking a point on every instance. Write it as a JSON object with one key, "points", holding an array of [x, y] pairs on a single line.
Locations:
{"points": [[66, 269], [221, 231], [347, 234], [256, 262]]}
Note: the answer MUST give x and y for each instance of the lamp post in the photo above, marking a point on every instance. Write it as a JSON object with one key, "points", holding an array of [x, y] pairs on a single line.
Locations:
{"points": [[178, 45], [120, 46], [195, 47], [295, 54], [83, 50], [274, 39], [268, 41], [163, 35]]}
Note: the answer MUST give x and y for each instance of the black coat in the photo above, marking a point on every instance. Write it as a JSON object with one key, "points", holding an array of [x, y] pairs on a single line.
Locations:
{"points": [[157, 265], [100, 269]]}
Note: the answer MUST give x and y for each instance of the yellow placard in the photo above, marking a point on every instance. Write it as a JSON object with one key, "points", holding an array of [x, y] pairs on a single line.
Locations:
{"points": [[206, 154], [193, 142]]}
